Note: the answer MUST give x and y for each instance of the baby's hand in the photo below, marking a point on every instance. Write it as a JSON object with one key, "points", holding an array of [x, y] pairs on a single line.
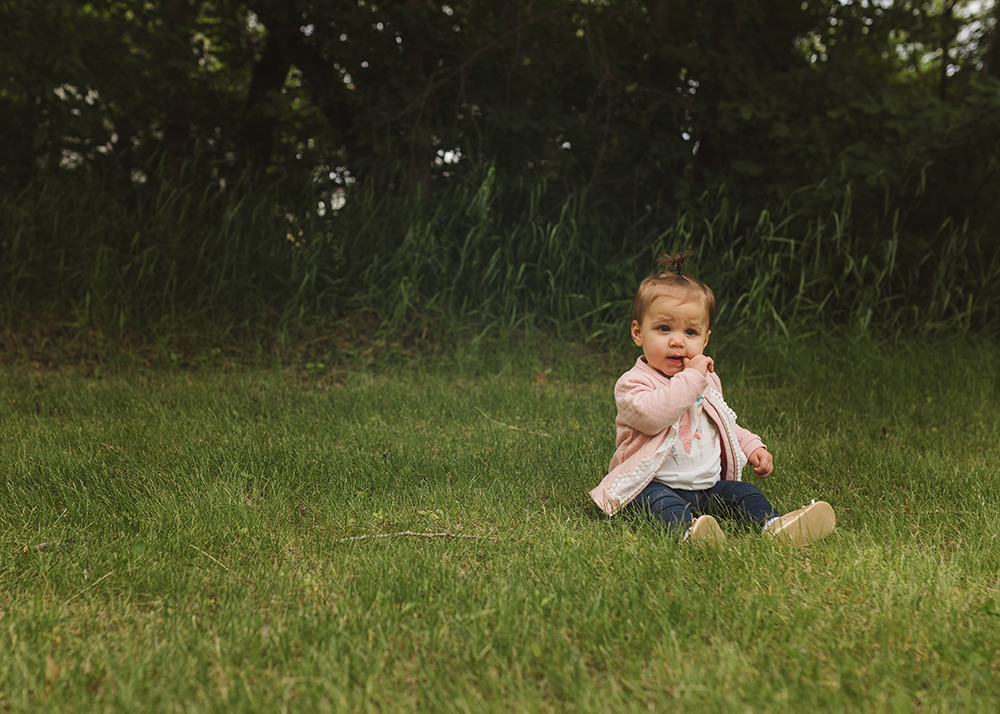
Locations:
{"points": [[702, 363], [762, 462]]}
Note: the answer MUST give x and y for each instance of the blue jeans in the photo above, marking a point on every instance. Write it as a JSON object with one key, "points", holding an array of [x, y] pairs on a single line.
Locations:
{"points": [[674, 508]]}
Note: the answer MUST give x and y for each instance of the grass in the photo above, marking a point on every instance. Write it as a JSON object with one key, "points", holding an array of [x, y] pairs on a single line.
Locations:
{"points": [[180, 255], [209, 539]]}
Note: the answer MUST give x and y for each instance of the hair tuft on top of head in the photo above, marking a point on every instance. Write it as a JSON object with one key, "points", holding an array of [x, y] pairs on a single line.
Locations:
{"points": [[673, 262], [673, 280]]}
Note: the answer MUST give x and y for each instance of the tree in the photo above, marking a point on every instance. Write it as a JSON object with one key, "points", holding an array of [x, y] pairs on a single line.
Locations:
{"points": [[649, 102]]}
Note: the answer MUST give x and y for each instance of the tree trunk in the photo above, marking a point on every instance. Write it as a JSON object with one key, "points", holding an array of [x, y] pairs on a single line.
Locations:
{"points": [[325, 87], [991, 61], [420, 146], [286, 47], [177, 121], [945, 42], [268, 76]]}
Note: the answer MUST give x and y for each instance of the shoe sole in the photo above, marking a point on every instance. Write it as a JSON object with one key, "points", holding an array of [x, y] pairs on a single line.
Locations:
{"points": [[808, 525], [705, 532]]}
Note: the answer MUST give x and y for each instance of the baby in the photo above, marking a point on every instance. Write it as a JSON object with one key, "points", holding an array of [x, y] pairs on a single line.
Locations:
{"points": [[679, 451]]}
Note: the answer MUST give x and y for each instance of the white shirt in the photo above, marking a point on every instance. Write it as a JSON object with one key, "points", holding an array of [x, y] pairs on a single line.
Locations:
{"points": [[694, 462]]}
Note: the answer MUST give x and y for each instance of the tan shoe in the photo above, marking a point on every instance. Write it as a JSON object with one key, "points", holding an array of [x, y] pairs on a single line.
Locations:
{"points": [[704, 531], [806, 525]]}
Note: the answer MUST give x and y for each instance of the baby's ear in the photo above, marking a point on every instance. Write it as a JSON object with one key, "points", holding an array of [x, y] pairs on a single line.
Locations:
{"points": [[636, 333]]}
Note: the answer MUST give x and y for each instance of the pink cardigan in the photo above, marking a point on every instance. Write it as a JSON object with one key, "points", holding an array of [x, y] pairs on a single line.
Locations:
{"points": [[650, 406]]}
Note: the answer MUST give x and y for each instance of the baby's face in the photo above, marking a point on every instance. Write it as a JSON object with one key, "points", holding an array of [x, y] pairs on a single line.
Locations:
{"points": [[673, 330]]}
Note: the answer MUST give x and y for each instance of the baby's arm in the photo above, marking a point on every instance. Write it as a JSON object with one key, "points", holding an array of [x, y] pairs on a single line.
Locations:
{"points": [[651, 407]]}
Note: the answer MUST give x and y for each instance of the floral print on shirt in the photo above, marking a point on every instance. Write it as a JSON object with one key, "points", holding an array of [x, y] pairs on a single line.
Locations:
{"points": [[692, 429]]}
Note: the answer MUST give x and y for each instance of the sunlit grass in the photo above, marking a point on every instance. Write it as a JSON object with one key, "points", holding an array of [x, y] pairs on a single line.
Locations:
{"points": [[243, 540]]}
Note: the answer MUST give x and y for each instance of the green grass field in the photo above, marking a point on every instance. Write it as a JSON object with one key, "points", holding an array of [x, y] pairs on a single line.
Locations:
{"points": [[416, 535]]}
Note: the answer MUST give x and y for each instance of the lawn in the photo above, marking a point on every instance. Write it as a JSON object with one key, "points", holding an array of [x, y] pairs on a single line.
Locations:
{"points": [[414, 534]]}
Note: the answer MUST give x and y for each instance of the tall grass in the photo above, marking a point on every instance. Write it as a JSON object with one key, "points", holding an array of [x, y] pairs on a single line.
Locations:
{"points": [[499, 257]]}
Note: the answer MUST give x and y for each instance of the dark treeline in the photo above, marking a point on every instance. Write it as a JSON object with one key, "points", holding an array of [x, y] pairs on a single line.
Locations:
{"points": [[644, 115]]}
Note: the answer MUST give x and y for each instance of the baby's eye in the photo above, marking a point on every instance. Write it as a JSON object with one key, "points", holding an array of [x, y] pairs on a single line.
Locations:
{"points": [[690, 333], [664, 328]]}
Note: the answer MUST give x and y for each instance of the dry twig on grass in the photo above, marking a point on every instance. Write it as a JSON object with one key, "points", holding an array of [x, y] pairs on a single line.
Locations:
{"points": [[445, 534], [510, 426]]}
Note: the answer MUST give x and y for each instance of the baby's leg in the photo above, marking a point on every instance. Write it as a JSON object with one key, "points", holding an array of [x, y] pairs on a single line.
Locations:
{"points": [[743, 502], [661, 504]]}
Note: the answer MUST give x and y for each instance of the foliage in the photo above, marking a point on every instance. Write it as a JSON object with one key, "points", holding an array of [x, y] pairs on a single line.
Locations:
{"points": [[274, 162], [499, 258], [651, 102]]}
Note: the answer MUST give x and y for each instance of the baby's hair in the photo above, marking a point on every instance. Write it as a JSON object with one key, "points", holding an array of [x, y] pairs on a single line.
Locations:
{"points": [[673, 262], [672, 280]]}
